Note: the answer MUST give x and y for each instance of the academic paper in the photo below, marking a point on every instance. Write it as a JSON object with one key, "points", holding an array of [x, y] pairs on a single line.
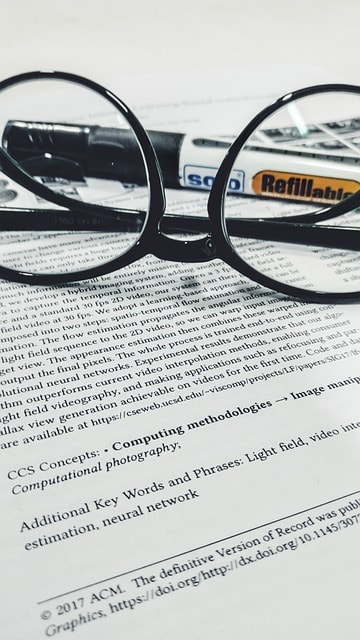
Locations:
{"points": [[179, 446]]}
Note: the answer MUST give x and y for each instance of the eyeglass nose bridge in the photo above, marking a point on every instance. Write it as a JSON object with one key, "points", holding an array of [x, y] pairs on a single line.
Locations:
{"points": [[180, 250]]}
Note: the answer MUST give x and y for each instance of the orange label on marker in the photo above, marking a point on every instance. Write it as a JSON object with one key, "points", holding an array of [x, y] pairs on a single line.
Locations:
{"points": [[297, 186]]}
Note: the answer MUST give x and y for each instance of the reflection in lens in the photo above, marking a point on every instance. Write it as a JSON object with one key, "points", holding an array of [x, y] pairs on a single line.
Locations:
{"points": [[301, 159], [77, 143]]}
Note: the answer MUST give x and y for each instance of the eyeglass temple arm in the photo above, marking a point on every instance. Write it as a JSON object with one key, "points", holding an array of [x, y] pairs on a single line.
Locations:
{"points": [[297, 233], [93, 219], [275, 231], [123, 220]]}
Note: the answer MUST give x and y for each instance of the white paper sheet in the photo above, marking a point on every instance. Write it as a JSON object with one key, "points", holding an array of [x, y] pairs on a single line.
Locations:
{"points": [[179, 446]]}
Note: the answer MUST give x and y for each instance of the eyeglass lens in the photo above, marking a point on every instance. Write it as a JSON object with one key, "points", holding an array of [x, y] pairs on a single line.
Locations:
{"points": [[40, 122], [301, 159]]}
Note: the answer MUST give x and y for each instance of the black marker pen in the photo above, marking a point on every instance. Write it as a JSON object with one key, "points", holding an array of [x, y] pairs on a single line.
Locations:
{"points": [[188, 161]]}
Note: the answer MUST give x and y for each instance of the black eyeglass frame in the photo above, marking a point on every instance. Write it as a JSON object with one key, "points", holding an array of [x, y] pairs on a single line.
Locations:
{"points": [[155, 238]]}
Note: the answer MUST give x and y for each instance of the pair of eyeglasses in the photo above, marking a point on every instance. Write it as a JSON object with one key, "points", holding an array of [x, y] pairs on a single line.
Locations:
{"points": [[82, 189]]}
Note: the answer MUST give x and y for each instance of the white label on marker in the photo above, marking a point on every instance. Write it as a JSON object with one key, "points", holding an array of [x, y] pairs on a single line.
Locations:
{"points": [[198, 177]]}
